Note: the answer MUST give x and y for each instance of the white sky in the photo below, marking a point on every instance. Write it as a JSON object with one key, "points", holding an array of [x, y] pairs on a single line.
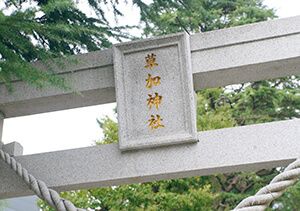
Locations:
{"points": [[78, 127], [284, 8]]}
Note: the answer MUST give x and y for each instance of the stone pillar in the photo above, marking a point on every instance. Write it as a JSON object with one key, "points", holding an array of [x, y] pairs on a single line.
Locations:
{"points": [[13, 148]]}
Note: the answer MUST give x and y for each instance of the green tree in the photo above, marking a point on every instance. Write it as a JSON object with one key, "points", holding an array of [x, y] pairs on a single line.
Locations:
{"points": [[171, 16], [44, 30]]}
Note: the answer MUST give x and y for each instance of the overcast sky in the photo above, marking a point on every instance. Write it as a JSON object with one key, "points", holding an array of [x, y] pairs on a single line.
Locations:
{"points": [[78, 127]]}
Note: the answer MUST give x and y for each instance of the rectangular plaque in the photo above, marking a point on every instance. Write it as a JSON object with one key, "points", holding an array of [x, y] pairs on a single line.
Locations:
{"points": [[154, 89]]}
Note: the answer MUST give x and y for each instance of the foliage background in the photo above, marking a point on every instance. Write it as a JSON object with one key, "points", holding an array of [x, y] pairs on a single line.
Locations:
{"points": [[57, 28]]}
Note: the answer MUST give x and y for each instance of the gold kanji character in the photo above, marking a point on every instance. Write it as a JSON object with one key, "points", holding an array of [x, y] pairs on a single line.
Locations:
{"points": [[152, 81], [150, 60], [154, 100], [155, 123]]}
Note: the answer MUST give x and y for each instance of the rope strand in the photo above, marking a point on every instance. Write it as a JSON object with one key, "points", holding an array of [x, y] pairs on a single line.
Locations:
{"points": [[263, 198], [38, 186]]}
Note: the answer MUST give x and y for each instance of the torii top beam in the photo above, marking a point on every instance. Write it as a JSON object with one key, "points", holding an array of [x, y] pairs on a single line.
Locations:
{"points": [[240, 54]]}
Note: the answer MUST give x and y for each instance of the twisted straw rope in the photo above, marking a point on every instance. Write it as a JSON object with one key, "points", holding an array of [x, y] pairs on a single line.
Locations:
{"points": [[38, 186], [263, 198]]}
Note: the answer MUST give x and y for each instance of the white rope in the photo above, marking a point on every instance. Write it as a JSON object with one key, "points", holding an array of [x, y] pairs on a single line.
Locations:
{"points": [[263, 198], [38, 186]]}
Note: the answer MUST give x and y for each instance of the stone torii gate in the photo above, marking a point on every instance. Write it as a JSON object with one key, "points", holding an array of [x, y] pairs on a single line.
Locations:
{"points": [[236, 55]]}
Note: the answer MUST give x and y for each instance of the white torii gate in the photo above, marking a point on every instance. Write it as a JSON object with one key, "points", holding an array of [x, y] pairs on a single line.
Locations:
{"points": [[240, 54]]}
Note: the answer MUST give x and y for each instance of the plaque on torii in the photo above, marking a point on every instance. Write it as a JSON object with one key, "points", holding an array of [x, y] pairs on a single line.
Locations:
{"points": [[154, 89]]}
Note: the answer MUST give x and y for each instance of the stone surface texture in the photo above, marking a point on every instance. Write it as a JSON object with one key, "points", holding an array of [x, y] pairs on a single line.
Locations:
{"points": [[171, 56], [13, 148], [246, 148]]}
